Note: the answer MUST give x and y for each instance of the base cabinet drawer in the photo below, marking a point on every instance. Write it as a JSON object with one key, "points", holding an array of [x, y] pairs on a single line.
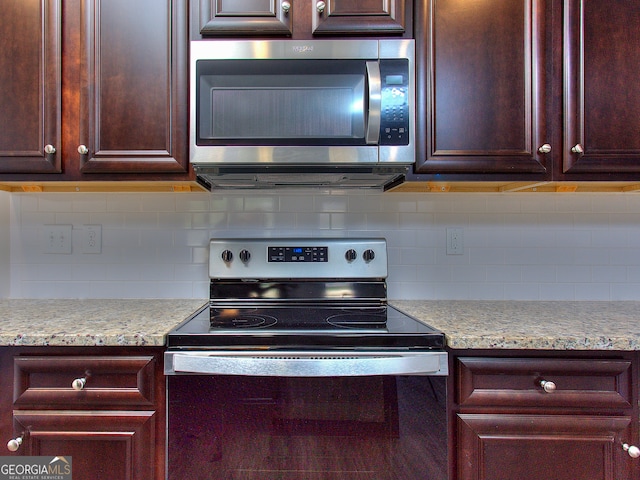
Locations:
{"points": [[83, 381], [543, 382], [562, 447]]}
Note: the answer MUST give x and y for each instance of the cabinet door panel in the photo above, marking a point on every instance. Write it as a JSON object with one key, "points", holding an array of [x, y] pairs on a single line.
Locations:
{"points": [[484, 88], [246, 17], [103, 445], [30, 95], [349, 17], [506, 447], [602, 104], [133, 109]]}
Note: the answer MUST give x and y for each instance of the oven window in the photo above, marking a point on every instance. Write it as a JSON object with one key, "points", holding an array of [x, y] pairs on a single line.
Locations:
{"points": [[307, 428]]}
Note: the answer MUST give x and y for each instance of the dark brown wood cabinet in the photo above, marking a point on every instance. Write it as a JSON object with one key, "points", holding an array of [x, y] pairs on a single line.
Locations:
{"points": [[297, 18], [532, 90], [484, 87], [30, 95], [104, 83], [103, 406], [601, 127], [546, 415]]}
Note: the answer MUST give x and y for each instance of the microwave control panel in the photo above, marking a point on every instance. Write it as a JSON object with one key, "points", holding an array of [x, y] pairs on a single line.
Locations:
{"points": [[394, 121]]}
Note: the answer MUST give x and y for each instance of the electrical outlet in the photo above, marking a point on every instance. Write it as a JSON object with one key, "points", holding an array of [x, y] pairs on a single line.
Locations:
{"points": [[92, 239], [455, 241], [57, 239]]}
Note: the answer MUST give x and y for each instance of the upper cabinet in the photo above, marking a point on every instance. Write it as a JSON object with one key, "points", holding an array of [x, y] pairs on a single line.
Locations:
{"points": [[298, 18], [93, 86], [484, 87], [133, 86], [528, 89], [601, 130], [30, 96]]}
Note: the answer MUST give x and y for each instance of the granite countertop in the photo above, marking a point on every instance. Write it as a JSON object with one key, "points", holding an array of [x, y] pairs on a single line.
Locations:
{"points": [[531, 325], [466, 324], [91, 322]]}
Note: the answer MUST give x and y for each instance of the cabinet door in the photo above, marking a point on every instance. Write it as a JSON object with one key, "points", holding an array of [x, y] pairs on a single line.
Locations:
{"points": [[602, 104], [133, 102], [483, 86], [103, 445], [353, 17], [506, 447], [248, 17], [30, 86]]}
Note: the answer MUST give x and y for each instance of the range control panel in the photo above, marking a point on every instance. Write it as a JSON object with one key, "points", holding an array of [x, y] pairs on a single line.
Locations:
{"points": [[279, 258], [298, 254]]}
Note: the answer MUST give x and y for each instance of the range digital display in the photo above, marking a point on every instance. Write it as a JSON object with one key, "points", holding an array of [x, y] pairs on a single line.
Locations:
{"points": [[298, 254]]}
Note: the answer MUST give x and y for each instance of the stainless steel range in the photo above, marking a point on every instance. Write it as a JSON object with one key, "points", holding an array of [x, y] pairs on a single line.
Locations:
{"points": [[306, 307], [299, 355]]}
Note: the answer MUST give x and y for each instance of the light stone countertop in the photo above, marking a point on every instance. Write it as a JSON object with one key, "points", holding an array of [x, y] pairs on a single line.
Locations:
{"points": [[530, 324], [91, 322], [466, 324]]}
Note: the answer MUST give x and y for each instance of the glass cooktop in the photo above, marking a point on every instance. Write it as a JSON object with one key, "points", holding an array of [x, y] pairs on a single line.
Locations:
{"points": [[296, 327]]}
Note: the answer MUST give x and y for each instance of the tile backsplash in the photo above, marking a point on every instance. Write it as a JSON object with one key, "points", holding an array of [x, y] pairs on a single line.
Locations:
{"points": [[154, 245]]}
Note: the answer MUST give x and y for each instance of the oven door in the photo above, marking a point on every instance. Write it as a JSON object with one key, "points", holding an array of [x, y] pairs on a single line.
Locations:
{"points": [[278, 427]]}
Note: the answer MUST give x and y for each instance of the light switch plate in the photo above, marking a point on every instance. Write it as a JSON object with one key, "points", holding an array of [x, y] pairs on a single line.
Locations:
{"points": [[57, 239]]}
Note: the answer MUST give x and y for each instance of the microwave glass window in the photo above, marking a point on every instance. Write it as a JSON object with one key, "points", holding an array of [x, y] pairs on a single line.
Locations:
{"points": [[296, 101], [315, 106]]}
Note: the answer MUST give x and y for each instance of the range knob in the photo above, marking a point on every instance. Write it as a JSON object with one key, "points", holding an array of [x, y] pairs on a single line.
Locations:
{"points": [[245, 255], [350, 255], [227, 256], [368, 255]]}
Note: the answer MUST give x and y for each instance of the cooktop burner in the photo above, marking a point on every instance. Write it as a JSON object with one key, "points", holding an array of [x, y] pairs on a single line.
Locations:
{"points": [[285, 328]]}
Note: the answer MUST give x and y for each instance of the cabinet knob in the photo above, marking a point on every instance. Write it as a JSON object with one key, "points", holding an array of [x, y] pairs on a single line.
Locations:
{"points": [[14, 444], [577, 148], [632, 450], [286, 6], [83, 150], [320, 6], [548, 386], [49, 149], [79, 383], [546, 148]]}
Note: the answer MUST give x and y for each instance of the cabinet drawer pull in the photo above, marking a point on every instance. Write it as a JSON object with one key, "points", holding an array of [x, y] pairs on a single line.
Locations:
{"points": [[548, 386], [79, 383], [546, 148], [49, 149], [320, 6], [83, 150], [14, 444], [577, 148], [632, 450], [286, 6]]}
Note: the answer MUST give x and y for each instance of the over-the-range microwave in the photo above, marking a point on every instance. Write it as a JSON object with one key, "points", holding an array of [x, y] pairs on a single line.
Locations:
{"points": [[282, 113]]}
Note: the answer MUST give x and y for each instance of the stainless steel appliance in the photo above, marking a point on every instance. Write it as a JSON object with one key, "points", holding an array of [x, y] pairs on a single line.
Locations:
{"points": [[299, 368], [284, 113]]}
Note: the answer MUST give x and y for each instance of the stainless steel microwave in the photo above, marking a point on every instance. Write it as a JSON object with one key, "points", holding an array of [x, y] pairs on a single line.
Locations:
{"points": [[277, 113]]}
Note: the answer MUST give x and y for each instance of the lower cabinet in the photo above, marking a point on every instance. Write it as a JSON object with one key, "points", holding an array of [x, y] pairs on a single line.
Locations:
{"points": [[544, 417], [562, 447], [101, 406]]}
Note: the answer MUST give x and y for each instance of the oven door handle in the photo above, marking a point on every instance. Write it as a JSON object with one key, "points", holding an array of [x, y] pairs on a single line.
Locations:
{"points": [[306, 364]]}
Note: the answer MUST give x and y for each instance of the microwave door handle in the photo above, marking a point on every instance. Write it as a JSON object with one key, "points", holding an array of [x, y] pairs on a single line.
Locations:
{"points": [[375, 102]]}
